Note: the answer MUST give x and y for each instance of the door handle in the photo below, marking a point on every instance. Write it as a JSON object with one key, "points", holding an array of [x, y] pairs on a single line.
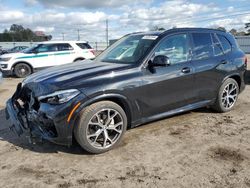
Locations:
{"points": [[186, 70], [224, 62]]}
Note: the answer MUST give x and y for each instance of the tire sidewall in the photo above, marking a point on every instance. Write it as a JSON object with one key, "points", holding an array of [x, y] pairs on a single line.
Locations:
{"points": [[225, 83], [83, 126], [17, 66]]}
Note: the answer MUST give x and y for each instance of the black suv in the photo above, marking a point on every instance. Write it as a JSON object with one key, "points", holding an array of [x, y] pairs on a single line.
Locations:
{"points": [[140, 78]]}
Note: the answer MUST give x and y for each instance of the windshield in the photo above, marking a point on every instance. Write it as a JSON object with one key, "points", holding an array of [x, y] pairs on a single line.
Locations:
{"points": [[129, 49], [30, 50]]}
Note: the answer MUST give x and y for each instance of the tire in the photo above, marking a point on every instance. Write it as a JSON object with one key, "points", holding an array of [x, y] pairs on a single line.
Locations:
{"points": [[93, 121], [223, 102], [21, 70]]}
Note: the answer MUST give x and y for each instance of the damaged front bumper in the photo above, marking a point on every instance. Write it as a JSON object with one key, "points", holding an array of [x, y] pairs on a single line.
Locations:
{"points": [[40, 120]]}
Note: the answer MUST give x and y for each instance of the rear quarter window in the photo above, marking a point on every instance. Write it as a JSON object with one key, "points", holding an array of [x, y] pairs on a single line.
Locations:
{"points": [[226, 45], [64, 47], [218, 50], [84, 45], [203, 47]]}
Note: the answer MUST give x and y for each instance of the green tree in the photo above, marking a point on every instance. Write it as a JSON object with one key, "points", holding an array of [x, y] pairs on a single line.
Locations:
{"points": [[17, 33], [233, 32], [157, 28], [247, 27], [222, 28]]}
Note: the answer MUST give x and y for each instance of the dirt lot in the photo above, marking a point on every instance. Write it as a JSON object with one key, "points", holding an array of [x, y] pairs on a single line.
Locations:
{"points": [[195, 149]]}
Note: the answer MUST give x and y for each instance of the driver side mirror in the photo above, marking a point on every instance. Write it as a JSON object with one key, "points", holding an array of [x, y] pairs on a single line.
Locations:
{"points": [[161, 60], [35, 51]]}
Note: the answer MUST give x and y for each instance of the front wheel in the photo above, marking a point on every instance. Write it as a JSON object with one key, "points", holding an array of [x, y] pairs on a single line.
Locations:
{"points": [[101, 127], [22, 70], [227, 96]]}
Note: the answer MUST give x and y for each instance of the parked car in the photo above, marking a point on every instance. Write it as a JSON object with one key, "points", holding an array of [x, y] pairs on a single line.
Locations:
{"points": [[2, 51], [168, 73], [15, 49], [44, 55]]}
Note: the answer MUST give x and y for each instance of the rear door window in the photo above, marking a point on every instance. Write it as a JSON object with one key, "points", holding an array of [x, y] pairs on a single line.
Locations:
{"points": [[225, 44], [46, 48], [64, 47], [84, 45], [203, 47]]}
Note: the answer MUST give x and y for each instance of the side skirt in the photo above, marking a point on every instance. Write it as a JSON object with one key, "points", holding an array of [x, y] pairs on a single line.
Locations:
{"points": [[173, 112]]}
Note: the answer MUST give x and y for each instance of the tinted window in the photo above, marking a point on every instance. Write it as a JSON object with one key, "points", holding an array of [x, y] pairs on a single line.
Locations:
{"points": [[46, 48], [217, 46], [202, 46], [64, 47], [175, 48], [84, 45], [225, 44]]}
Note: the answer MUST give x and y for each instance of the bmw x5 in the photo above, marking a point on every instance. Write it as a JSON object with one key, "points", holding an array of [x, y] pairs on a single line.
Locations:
{"points": [[140, 78]]}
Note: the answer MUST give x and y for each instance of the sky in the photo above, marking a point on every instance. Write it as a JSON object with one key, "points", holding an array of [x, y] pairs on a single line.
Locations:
{"points": [[67, 17]]}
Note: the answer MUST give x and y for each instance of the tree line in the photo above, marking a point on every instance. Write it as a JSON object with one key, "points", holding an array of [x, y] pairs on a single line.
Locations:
{"points": [[17, 33]]}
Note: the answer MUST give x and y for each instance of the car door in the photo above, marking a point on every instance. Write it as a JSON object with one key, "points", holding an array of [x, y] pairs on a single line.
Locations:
{"points": [[168, 87], [44, 56], [207, 59], [65, 54]]}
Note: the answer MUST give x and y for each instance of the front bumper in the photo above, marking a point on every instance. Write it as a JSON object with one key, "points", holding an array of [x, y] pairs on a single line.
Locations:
{"points": [[7, 72], [47, 122]]}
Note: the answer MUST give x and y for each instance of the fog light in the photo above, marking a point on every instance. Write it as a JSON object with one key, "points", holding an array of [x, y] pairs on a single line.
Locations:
{"points": [[4, 66]]}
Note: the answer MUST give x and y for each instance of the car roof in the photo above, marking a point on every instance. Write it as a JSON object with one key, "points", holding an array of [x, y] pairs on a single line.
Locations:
{"points": [[53, 42], [178, 30]]}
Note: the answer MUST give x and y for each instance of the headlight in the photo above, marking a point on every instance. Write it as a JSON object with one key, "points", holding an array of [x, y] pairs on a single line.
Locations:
{"points": [[5, 58], [59, 97]]}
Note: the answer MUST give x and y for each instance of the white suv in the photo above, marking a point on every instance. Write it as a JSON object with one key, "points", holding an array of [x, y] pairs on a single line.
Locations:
{"points": [[43, 55]]}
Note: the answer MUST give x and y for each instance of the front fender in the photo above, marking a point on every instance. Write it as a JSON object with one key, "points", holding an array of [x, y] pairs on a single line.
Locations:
{"points": [[110, 96]]}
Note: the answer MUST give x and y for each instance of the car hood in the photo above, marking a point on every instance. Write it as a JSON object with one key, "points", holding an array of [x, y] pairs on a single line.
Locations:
{"points": [[19, 54], [70, 76]]}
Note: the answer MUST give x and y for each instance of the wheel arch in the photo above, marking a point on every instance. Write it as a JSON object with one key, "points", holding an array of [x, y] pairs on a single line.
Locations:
{"points": [[25, 62], [116, 98], [79, 59], [236, 77]]}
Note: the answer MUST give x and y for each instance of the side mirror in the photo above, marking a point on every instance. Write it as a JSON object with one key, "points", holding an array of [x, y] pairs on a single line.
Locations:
{"points": [[35, 51], [161, 60]]}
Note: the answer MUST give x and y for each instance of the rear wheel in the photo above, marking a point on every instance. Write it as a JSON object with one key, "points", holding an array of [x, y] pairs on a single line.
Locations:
{"points": [[101, 127], [227, 96], [21, 70]]}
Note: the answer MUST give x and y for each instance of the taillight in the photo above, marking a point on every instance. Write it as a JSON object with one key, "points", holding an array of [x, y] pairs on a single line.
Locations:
{"points": [[92, 51], [245, 61]]}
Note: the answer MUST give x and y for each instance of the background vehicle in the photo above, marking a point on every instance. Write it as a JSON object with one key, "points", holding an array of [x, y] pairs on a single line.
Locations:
{"points": [[2, 51], [165, 73], [14, 49], [44, 55]]}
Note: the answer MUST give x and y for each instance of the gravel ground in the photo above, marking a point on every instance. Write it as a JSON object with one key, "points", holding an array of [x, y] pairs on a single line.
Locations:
{"points": [[196, 149]]}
